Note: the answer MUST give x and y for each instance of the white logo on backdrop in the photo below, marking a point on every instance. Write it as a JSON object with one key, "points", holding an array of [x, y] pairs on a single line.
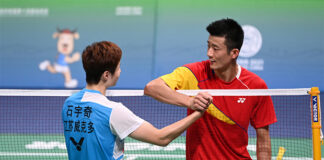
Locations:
{"points": [[251, 46], [252, 41]]}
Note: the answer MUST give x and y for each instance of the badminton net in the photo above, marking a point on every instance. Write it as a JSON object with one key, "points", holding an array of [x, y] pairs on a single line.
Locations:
{"points": [[31, 126]]}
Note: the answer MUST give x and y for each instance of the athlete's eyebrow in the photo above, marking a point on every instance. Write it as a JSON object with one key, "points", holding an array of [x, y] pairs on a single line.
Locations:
{"points": [[212, 44]]}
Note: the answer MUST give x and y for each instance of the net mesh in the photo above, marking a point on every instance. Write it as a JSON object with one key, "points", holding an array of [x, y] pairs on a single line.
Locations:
{"points": [[31, 127]]}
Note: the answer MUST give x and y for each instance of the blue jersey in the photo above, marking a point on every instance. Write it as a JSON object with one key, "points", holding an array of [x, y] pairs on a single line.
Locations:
{"points": [[95, 127]]}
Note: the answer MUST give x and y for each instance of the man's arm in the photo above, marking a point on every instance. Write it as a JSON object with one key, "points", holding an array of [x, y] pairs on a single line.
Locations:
{"points": [[162, 137], [263, 143], [159, 90]]}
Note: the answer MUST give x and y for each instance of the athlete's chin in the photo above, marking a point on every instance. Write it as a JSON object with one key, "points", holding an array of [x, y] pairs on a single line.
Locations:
{"points": [[114, 83], [213, 67]]}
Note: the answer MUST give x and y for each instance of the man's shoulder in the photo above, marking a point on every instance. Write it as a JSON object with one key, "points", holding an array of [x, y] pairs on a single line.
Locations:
{"points": [[75, 97], [199, 67], [99, 99], [201, 70]]}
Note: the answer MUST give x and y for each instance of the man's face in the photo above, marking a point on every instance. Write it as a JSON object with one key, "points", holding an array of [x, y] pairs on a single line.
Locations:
{"points": [[217, 53], [116, 75]]}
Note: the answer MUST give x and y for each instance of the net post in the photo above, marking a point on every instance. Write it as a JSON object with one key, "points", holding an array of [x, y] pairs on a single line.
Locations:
{"points": [[316, 122]]}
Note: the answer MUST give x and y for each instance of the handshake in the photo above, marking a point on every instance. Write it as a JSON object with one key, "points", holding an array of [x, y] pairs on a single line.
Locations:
{"points": [[200, 102]]}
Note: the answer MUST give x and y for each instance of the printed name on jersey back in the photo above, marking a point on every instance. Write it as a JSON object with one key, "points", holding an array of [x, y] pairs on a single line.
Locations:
{"points": [[78, 119]]}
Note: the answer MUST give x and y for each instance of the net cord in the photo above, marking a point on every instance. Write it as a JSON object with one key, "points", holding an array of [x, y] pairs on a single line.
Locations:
{"points": [[213, 92]]}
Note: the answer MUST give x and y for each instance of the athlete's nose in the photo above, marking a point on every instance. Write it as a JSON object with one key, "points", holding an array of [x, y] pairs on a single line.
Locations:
{"points": [[209, 52]]}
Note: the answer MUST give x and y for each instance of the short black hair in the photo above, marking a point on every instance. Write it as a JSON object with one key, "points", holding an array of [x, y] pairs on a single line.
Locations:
{"points": [[229, 29]]}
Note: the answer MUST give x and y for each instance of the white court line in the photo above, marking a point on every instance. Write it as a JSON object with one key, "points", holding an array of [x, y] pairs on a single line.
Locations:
{"points": [[31, 154], [129, 156], [134, 156]]}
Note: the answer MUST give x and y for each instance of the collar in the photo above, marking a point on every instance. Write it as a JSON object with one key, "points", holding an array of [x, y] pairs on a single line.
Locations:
{"points": [[239, 69]]}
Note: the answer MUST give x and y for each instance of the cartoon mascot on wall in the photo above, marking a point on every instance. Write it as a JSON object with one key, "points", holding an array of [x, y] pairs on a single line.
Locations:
{"points": [[65, 46]]}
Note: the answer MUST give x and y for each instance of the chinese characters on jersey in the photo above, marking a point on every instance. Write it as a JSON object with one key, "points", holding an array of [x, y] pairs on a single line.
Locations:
{"points": [[82, 122]]}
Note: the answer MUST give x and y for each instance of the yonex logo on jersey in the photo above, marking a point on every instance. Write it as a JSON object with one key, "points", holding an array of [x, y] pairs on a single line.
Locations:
{"points": [[241, 100], [77, 144]]}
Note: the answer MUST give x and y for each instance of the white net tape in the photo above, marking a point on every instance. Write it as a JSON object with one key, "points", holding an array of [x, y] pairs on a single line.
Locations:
{"points": [[213, 92]]}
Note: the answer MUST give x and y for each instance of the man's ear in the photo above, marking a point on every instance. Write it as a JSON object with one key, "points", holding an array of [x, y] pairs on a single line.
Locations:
{"points": [[106, 75], [235, 53]]}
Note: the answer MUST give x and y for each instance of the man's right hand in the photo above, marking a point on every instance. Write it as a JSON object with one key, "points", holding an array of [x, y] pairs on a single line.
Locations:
{"points": [[201, 101]]}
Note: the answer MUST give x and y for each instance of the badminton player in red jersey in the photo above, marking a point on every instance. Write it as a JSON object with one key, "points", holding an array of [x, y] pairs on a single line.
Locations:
{"points": [[222, 133]]}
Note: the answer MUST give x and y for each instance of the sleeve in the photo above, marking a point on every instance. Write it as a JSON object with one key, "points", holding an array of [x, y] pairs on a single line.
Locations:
{"points": [[181, 78], [123, 121], [263, 114]]}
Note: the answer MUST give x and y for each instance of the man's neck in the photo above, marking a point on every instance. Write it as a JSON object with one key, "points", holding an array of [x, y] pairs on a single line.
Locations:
{"points": [[102, 89], [227, 74]]}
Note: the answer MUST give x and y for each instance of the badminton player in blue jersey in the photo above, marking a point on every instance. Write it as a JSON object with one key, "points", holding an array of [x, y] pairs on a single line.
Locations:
{"points": [[95, 127]]}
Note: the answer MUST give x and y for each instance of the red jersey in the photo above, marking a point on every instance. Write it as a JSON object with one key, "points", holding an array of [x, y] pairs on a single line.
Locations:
{"points": [[222, 132]]}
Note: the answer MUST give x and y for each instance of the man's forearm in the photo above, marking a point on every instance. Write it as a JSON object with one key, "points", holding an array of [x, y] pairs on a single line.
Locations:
{"points": [[174, 130], [263, 143], [264, 152], [160, 91], [162, 137]]}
